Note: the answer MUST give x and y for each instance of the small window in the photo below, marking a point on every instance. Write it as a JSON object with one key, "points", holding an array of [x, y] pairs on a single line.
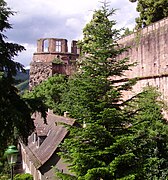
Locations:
{"points": [[58, 46], [34, 137]]}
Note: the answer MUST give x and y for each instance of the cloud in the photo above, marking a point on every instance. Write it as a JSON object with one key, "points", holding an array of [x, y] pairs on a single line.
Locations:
{"points": [[25, 57], [60, 19]]}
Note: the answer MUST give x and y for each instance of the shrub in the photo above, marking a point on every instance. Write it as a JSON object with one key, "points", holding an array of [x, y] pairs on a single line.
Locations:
{"points": [[4, 177], [26, 176]]}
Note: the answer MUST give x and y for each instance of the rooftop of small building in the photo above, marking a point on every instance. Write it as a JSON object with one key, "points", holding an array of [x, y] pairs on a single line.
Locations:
{"points": [[53, 132]]}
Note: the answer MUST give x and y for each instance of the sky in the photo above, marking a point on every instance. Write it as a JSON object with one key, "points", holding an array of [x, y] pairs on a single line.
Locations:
{"points": [[35, 19]]}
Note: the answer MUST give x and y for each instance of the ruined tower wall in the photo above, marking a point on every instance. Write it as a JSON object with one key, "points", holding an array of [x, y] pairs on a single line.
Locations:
{"points": [[149, 48], [52, 57]]}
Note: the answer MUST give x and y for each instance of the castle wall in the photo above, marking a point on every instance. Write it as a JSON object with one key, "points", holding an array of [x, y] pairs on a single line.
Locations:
{"points": [[52, 57], [39, 71], [149, 48]]}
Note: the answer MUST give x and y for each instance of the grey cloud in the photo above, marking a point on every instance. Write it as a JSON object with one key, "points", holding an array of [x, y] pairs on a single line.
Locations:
{"points": [[31, 28], [27, 28]]}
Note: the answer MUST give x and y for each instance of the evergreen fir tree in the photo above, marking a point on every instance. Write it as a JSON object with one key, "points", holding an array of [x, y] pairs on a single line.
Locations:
{"points": [[115, 139], [148, 129], [15, 112], [93, 99], [89, 90]]}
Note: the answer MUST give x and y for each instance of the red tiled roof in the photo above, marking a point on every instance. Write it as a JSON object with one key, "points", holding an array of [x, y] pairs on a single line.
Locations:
{"points": [[54, 131]]}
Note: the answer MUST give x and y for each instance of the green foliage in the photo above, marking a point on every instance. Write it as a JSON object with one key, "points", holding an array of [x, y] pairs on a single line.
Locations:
{"points": [[93, 98], [149, 130], [8, 50], [150, 11], [132, 146], [127, 32], [4, 177], [15, 112], [57, 61], [120, 139], [4, 169], [65, 176], [26, 176], [49, 92], [23, 86]]}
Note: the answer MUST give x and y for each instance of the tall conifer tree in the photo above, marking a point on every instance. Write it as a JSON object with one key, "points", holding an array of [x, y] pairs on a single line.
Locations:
{"points": [[114, 139], [95, 101], [15, 112]]}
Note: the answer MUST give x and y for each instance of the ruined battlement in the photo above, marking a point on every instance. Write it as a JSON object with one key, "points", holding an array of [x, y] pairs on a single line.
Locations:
{"points": [[50, 48], [52, 57], [55, 45], [148, 47]]}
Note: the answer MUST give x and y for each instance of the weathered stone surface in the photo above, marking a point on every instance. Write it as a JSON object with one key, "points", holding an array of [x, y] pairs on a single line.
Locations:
{"points": [[149, 48], [44, 65], [39, 71]]}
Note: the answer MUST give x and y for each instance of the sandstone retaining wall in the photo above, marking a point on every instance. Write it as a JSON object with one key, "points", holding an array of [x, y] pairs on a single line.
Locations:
{"points": [[149, 48]]}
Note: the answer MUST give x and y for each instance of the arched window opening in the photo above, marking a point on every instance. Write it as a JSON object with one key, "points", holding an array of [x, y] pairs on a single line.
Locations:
{"points": [[45, 46]]}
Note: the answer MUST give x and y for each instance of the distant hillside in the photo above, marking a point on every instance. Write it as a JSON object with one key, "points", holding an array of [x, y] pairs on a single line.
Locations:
{"points": [[22, 76], [22, 81], [23, 86]]}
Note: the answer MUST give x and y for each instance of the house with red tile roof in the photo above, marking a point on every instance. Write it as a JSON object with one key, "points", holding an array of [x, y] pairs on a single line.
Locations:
{"points": [[39, 156]]}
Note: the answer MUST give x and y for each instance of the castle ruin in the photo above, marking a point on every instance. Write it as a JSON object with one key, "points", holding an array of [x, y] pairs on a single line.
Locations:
{"points": [[149, 48], [52, 57]]}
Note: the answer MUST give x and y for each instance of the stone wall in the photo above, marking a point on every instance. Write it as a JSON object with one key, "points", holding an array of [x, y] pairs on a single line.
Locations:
{"points": [[52, 57], [39, 71], [149, 48]]}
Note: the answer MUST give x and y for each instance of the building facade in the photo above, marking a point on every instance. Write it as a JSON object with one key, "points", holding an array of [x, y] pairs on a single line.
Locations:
{"points": [[40, 156], [52, 57]]}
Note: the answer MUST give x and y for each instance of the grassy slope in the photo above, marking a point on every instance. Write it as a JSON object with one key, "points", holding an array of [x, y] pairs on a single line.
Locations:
{"points": [[22, 81]]}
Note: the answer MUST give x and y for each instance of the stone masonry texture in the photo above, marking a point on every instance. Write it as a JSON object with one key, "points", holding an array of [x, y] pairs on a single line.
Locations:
{"points": [[52, 57], [148, 48]]}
